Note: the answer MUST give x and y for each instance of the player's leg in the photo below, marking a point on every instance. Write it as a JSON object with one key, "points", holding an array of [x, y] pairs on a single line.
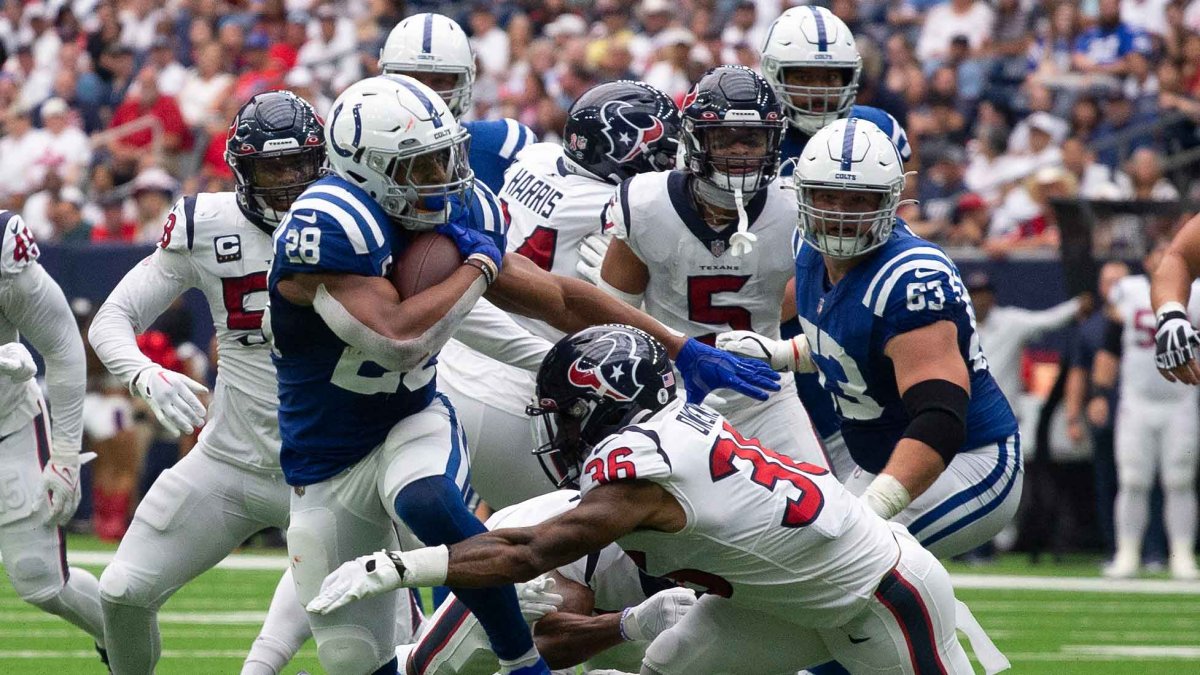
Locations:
{"points": [[423, 478], [332, 522], [34, 550], [504, 470], [717, 637], [973, 499], [1137, 446], [283, 632], [193, 516], [843, 465], [780, 424], [909, 621], [1180, 448]]}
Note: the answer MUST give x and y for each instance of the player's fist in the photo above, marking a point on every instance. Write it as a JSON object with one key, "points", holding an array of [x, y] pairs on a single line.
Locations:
{"points": [[60, 479], [172, 397], [537, 599], [16, 362], [783, 355], [705, 369], [364, 577], [1175, 344], [470, 241], [591, 256], [656, 614]]}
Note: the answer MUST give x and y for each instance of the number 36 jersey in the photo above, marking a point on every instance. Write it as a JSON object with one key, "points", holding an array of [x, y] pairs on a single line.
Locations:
{"points": [[762, 529], [906, 284], [335, 405]]}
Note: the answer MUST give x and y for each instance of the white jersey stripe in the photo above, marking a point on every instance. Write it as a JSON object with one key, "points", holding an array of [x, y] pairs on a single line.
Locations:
{"points": [[353, 231], [885, 271], [894, 278], [511, 136], [344, 195]]}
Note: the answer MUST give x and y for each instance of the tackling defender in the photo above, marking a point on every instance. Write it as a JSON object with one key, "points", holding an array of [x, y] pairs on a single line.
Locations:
{"points": [[39, 471], [366, 437], [795, 568]]}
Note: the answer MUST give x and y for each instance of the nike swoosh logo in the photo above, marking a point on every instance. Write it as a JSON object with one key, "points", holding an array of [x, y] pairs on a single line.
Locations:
{"points": [[310, 218], [921, 274], [858, 641]]}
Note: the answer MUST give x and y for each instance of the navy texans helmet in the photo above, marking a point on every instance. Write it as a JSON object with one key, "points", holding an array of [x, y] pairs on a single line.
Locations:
{"points": [[276, 148], [589, 386], [733, 126], [619, 129]]}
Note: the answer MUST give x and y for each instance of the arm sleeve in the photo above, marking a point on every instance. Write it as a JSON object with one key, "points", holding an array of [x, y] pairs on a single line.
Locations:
{"points": [[490, 330], [39, 311], [143, 294], [1033, 324]]}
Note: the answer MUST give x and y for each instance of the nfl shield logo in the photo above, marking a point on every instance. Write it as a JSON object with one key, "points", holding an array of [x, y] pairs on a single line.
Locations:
{"points": [[820, 305], [717, 246]]}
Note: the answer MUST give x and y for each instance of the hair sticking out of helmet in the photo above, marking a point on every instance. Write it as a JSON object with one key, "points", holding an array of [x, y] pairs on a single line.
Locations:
{"points": [[810, 58], [275, 148], [848, 183], [619, 129], [589, 386]]}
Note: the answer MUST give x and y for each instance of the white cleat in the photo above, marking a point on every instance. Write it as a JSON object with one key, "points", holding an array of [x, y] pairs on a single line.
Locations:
{"points": [[1121, 568], [1183, 567]]}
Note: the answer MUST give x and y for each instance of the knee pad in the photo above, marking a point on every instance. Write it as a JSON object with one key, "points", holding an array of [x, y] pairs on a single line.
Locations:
{"points": [[433, 508], [350, 650], [1135, 481], [36, 579], [122, 585], [1178, 481], [306, 541]]}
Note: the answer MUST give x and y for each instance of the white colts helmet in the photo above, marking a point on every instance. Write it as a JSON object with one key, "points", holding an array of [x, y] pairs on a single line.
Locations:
{"points": [[395, 138], [432, 43], [812, 37], [850, 155]]}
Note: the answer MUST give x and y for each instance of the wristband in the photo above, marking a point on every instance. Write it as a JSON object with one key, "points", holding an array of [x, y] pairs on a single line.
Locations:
{"points": [[484, 264], [621, 624], [423, 567], [1169, 309], [886, 496]]}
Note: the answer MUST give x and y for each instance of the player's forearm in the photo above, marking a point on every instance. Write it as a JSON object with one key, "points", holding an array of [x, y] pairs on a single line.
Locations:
{"points": [[915, 465], [1053, 318], [1172, 281], [499, 557], [566, 639], [587, 305], [45, 319], [1074, 392]]}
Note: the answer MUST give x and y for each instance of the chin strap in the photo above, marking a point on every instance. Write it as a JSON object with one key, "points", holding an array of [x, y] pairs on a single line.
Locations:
{"points": [[742, 241]]}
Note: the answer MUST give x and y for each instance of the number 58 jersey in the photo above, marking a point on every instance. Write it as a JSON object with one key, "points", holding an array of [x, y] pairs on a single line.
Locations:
{"points": [[906, 284], [762, 529]]}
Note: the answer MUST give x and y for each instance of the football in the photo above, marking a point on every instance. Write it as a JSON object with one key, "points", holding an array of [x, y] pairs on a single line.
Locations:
{"points": [[429, 259]]}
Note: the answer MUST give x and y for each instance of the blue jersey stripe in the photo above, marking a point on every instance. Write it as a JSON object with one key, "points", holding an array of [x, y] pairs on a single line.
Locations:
{"points": [[427, 35], [189, 218], [822, 36], [455, 460], [848, 143], [428, 104]]}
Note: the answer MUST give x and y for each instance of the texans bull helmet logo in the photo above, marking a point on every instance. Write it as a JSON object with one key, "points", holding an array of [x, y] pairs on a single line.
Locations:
{"points": [[626, 137], [606, 378]]}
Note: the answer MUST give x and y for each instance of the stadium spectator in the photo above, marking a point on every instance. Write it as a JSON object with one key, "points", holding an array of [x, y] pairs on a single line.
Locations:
{"points": [[66, 216], [1146, 16], [938, 193], [670, 70], [171, 73], [1026, 220], [68, 151], [116, 226], [205, 88], [1143, 178], [153, 193], [655, 16], [902, 74], [1096, 181], [20, 149], [1117, 136], [489, 41], [970, 224], [1103, 49], [144, 100], [972, 19]]}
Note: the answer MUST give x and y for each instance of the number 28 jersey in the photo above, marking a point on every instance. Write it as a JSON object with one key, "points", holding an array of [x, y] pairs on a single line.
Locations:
{"points": [[335, 405], [906, 284], [762, 529]]}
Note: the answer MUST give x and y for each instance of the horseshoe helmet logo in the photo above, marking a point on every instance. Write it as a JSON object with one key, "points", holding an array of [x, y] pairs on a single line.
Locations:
{"points": [[625, 137]]}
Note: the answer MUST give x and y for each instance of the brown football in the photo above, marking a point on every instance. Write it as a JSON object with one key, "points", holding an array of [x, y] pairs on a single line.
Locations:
{"points": [[429, 260]]}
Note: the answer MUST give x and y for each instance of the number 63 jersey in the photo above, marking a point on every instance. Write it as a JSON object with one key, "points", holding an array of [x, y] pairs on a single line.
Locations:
{"points": [[764, 530], [906, 284]]}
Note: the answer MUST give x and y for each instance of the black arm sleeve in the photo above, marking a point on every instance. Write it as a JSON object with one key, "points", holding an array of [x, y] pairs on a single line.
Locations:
{"points": [[937, 410]]}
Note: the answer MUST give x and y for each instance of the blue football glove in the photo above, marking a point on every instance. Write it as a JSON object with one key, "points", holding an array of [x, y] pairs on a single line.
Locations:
{"points": [[470, 241], [705, 368]]}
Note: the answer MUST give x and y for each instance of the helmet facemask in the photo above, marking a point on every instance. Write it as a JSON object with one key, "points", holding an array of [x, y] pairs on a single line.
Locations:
{"points": [[565, 435], [844, 221], [422, 187], [734, 156], [268, 184], [809, 99]]}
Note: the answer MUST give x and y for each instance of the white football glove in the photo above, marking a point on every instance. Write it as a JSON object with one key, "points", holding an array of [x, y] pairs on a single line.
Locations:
{"points": [[16, 362], [1176, 340], [364, 577], [60, 479], [172, 397], [591, 256], [782, 355], [656, 614], [537, 599]]}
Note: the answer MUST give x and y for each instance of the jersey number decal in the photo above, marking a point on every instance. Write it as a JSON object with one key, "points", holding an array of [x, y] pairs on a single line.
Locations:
{"points": [[841, 377], [613, 468], [234, 292], [303, 246], [168, 228], [769, 468], [24, 246], [540, 246], [702, 310], [1146, 326], [348, 375], [916, 300]]}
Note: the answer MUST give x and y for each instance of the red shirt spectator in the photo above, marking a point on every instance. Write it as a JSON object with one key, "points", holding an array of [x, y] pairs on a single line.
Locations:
{"points": [[147, 101]]}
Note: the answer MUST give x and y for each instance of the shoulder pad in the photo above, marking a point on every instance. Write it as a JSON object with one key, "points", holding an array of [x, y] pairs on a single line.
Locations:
{"points": [[19, 249], [332, 228], [634, 453], [915, 288]]}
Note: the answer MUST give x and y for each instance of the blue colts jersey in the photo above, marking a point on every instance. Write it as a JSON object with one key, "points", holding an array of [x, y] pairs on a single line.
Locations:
{"points": [[494, 145], [335, 405], [906, 284]]}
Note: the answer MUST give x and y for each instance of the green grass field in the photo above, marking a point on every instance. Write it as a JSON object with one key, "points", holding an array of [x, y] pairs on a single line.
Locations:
{"points": [[1049, 619]]}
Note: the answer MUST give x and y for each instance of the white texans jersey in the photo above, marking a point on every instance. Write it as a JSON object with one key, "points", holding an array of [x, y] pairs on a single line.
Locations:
{"points": [[208, 244], [18, 401], [697, 286], [552, 211], [764, 530], [1130, 297]]}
